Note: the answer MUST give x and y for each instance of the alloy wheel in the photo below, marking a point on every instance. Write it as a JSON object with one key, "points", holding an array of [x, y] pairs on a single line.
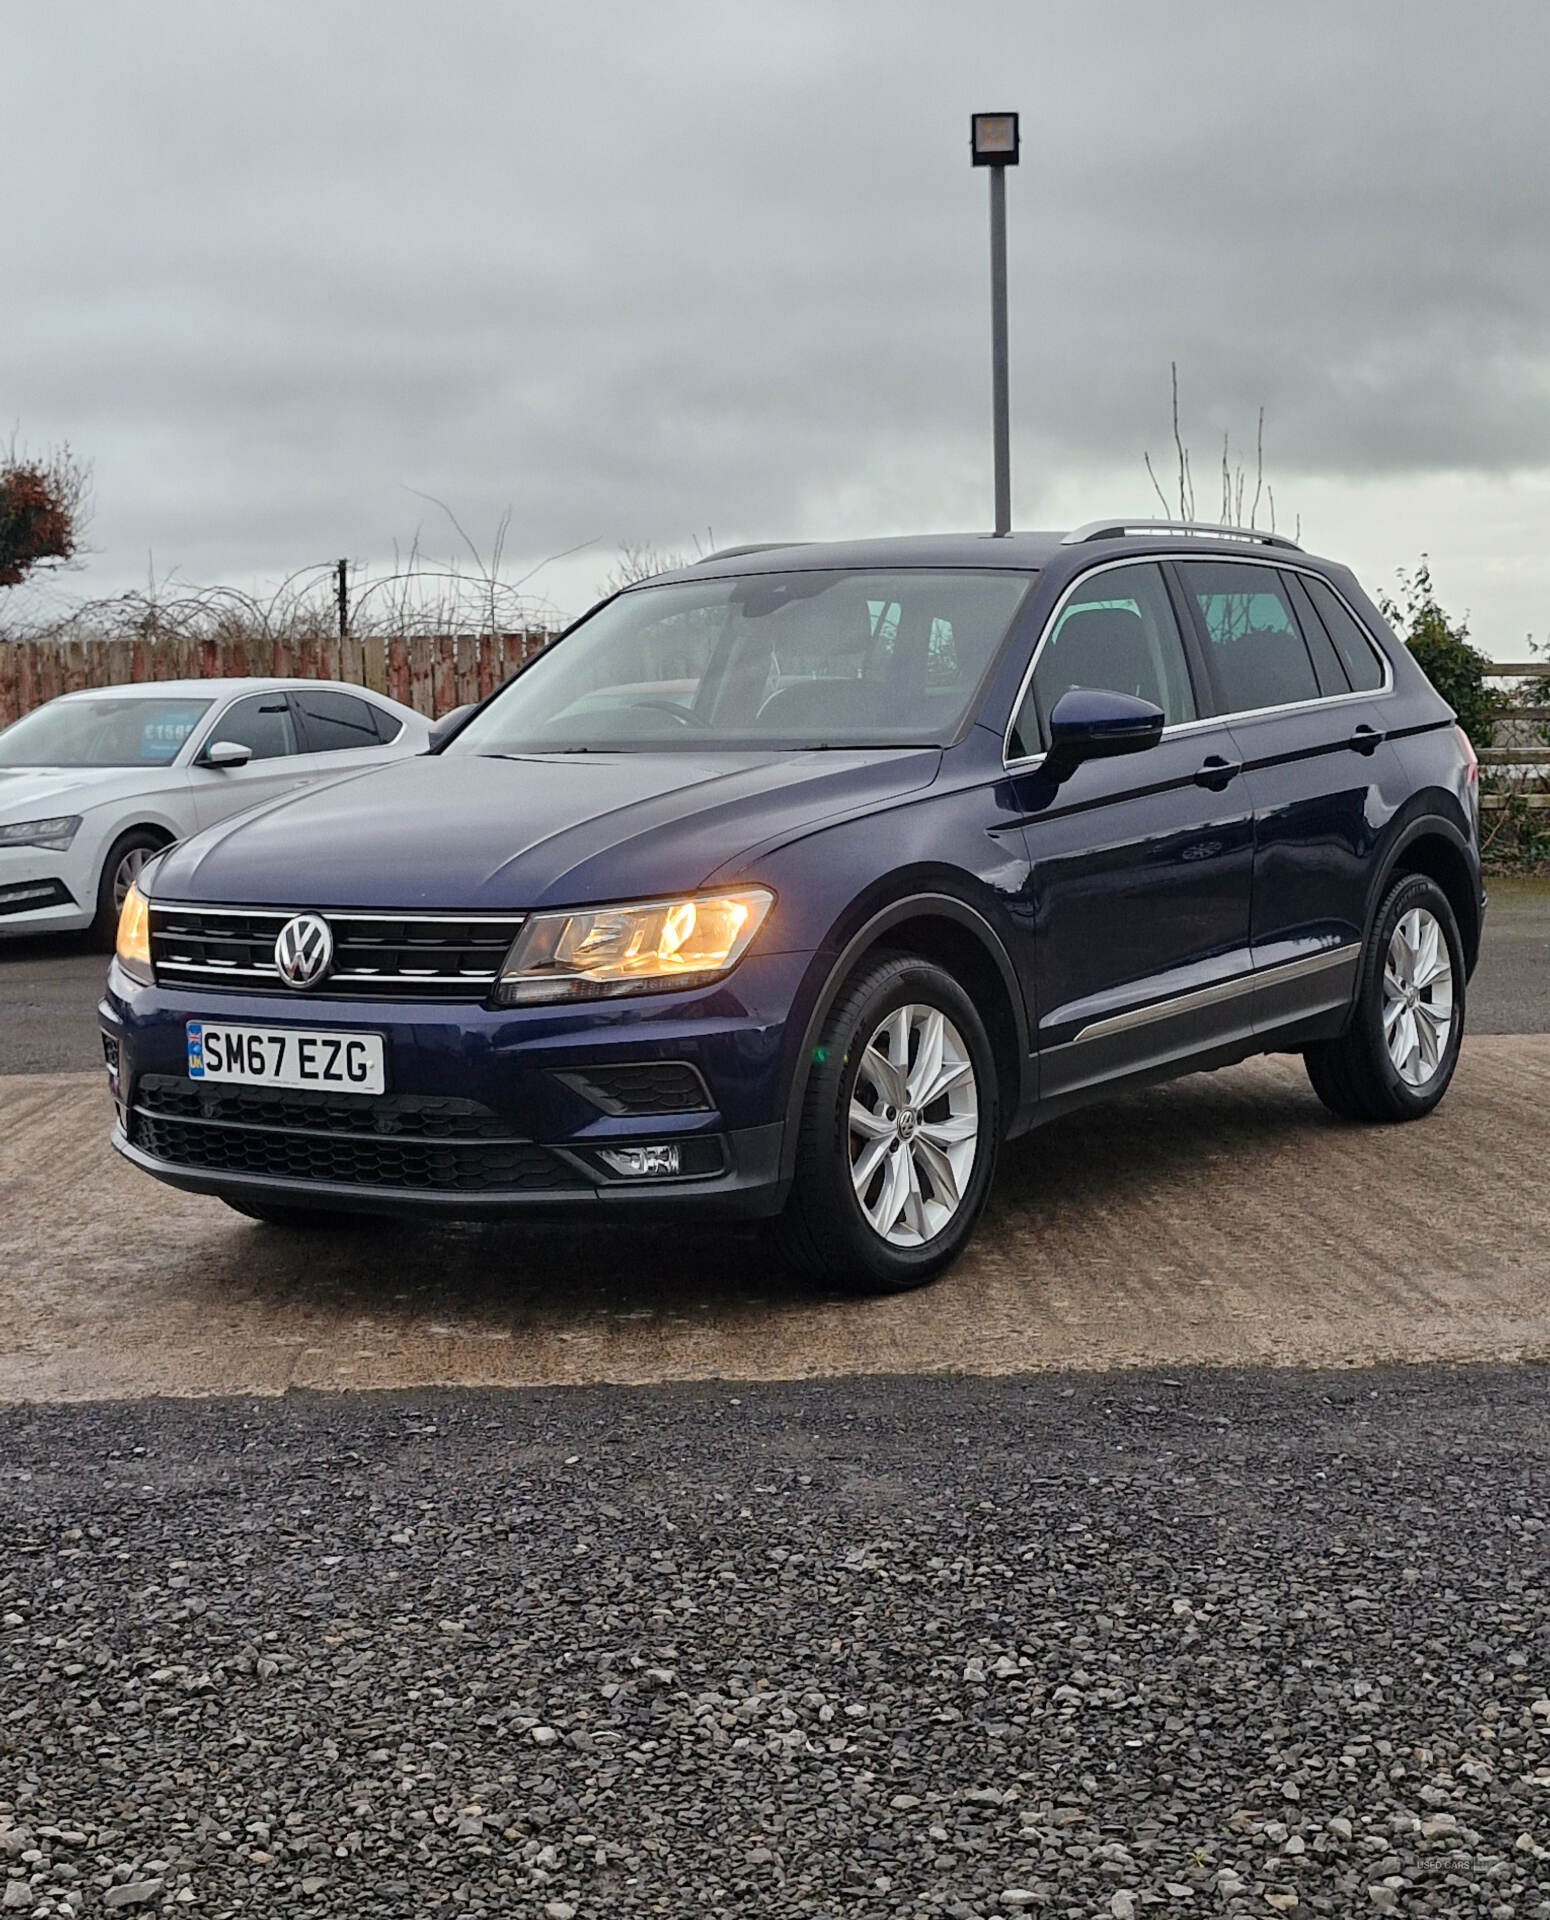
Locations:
{"points": [[1417, 997], [126, 873], [914, 1125]]}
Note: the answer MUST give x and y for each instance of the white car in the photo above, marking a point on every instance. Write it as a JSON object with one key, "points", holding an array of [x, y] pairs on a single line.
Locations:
{"points": [[94, 783]]}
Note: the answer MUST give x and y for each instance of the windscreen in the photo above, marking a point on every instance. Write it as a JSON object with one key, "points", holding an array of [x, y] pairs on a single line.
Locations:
{"points": [[781, 660], [117, 730]]}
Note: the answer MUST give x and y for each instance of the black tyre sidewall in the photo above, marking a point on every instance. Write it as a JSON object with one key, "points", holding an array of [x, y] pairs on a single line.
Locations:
{"points": [[105, 926], [1402, 1101], [853, 1251]]}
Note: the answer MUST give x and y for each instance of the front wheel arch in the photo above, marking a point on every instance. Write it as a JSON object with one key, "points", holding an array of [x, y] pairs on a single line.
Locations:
{"points": [[948, 931], [146, 833]]}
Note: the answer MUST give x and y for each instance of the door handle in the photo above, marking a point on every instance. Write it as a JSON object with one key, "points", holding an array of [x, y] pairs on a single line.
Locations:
{"points": [[1365, 739], [1216, 773]]}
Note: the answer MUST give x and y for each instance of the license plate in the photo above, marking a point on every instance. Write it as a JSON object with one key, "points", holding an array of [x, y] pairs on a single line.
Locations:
{"points": [[287, 1057]]}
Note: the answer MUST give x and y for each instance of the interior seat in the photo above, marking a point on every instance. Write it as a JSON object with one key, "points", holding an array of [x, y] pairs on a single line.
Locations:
{"points": [[1101, 647]]}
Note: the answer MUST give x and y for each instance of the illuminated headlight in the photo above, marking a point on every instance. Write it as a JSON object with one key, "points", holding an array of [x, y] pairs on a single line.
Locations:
{"points": [[598, 953], [55, 834], [134, 937]]}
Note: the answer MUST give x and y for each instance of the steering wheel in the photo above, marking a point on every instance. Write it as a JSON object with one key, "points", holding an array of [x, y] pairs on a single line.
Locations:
{"points": [[685, 716]]}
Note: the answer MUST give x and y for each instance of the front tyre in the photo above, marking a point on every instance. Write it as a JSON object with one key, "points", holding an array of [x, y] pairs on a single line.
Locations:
{"points": [[1395, 1060], [900, 1128]]}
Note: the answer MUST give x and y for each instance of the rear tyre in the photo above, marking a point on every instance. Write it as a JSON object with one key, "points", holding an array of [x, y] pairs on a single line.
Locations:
{"points": [[127, 855], [899, 1132], [1395, 1060]]}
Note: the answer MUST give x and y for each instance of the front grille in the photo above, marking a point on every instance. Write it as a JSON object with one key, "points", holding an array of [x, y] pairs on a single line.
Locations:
{"points": [[394, 1116], [433, 956], [414, 1143], [650, 1086]]}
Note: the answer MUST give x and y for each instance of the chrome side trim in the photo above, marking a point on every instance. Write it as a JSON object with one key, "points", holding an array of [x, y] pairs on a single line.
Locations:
{"points": [[1214, 995], [1031, 760]]}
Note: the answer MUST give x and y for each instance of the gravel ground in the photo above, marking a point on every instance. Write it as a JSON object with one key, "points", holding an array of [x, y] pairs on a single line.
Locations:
{"points": [[1087, 1646]]}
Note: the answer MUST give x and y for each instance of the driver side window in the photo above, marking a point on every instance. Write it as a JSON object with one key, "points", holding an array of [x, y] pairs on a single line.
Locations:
{"points": [[261, 722], [1116, 633]]}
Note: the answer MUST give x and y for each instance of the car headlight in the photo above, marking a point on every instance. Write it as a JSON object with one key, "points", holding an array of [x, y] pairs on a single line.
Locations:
{"points": [[55, 834], [597, 953], [134, 937]]}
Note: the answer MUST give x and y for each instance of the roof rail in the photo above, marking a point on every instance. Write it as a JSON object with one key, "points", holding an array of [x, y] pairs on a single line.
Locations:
{"points": [[735, 553], [1188, 529]]}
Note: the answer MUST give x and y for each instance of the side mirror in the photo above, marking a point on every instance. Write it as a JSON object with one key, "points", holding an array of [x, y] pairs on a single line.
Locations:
{"points": [[449, 724], [225, 753], [1089, 723]]}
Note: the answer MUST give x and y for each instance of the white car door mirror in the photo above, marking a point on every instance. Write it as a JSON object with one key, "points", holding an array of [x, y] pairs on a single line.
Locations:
{"points": [[225, 753]]}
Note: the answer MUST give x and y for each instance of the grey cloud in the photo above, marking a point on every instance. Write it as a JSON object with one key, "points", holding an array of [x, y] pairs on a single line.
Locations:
{"points": [[636, 273]]}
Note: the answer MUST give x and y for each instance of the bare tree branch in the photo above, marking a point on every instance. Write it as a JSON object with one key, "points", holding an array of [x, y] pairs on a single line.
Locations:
{"points": [[1178, 440], [1161, 497]]}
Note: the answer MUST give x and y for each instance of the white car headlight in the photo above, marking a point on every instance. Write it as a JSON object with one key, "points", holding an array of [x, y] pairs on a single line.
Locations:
{"points": [[597, 953], [55, 834]]}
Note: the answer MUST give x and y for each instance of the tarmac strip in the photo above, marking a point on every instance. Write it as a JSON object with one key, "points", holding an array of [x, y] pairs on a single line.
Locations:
{"points": [[1225, 1220]]}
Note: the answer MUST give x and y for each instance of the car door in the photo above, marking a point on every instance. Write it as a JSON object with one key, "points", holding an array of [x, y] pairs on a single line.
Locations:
{"points": [[1141, 866], [265, 724], [343, 732], [1315, 765]]}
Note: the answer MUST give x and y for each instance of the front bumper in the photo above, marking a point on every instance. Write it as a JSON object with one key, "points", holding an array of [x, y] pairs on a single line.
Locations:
{"points": [[488, 1111], [748, 1188], [40, 889]]}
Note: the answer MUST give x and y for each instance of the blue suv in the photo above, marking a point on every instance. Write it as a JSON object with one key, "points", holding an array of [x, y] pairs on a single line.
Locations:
{"points": [[790, 884]]}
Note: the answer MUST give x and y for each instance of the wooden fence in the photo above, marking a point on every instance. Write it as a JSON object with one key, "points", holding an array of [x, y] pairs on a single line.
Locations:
{"points": [[435, 672], [1525, 756], [430, 672]]}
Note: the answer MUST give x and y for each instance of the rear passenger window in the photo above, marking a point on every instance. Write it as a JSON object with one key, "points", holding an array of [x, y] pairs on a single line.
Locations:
{"points": [[1256, 649], [1363, 667], [1116, 633], [335, 721], [1326, 662]]}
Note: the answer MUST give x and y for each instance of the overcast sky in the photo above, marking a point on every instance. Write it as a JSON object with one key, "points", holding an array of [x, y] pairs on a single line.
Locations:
{"points": [[637, 273]]}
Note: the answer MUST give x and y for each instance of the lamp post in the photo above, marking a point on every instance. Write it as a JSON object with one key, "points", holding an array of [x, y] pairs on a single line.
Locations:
{"points": [[994, 142]]}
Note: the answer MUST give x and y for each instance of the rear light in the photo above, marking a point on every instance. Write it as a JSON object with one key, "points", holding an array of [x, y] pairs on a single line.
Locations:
{"points": [[1471, 779], [1471, 759]]}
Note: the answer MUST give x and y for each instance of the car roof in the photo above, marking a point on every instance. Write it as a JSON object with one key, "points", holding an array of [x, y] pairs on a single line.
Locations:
{"points": [[223, 688], [1012, 552], [1009, 552]]}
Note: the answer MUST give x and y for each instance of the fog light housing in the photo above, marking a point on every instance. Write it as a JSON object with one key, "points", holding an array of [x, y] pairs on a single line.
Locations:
{"points": [[696, 1157], [643, 1163], [28, 896]]}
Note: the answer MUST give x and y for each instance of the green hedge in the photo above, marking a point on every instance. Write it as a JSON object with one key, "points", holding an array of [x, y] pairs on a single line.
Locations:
{"points": [[1440, 648]]}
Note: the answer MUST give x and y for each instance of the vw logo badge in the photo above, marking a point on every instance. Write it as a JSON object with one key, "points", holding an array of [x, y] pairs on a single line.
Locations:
{"points": [[304, 951]]}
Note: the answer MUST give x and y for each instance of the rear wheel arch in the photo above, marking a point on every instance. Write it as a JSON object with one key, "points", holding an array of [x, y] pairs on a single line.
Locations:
{"points": [[1433, 847], [960, 940]]}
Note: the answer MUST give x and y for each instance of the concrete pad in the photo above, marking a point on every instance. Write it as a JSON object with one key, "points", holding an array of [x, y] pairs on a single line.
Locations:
{"points": [[1223, 1220]]}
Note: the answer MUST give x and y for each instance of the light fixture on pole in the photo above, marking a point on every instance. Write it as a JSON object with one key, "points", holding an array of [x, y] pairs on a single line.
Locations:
{"points": [[994, 142]]}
